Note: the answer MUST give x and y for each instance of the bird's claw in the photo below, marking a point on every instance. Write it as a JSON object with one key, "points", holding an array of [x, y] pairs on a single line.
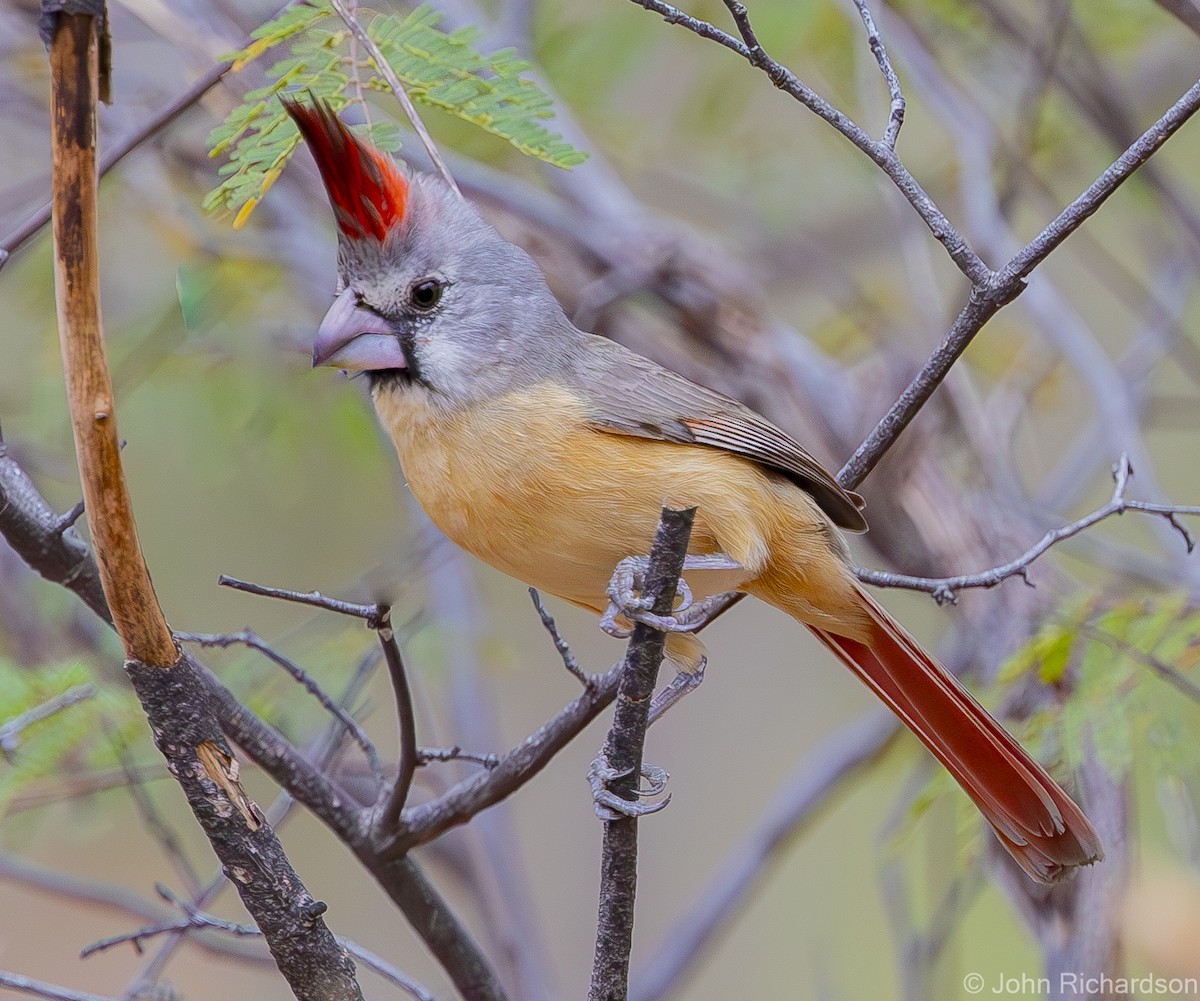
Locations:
{"points": [[627, 601], [610, 806]]}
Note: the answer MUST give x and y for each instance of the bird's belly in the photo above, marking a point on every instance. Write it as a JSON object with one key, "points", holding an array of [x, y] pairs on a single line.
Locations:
{"points": [[527, 487]]}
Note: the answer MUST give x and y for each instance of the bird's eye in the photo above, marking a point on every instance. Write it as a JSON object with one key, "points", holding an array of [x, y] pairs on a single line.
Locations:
{"points": [[426, 293]]}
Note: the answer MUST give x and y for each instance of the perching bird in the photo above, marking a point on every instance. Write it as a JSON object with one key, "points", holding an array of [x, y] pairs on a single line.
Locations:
{"points": [[549, 453]]}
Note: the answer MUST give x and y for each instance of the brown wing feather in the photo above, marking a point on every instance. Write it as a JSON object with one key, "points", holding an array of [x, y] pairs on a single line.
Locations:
{"points": [[644, 400]]}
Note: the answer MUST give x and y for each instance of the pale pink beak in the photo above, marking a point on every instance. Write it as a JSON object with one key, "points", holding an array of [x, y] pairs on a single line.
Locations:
{"points": [[355, 339]]}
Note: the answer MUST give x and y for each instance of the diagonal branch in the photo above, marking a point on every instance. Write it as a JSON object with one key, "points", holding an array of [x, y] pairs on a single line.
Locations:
{"points": [[1007, 284], [969, 263]]}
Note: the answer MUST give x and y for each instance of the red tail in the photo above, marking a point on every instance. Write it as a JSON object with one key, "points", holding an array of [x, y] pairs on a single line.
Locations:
{"points": [[1034, 819]]}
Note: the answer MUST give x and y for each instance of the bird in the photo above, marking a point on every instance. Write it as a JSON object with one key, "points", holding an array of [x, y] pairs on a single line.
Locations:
{"points": [[549, 453]]}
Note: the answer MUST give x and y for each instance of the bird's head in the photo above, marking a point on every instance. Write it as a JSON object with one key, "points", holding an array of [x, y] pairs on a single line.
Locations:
{"points": [[430, 296]]}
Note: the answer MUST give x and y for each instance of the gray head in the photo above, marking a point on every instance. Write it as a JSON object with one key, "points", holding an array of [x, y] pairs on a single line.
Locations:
{"points": [[430, 296]]}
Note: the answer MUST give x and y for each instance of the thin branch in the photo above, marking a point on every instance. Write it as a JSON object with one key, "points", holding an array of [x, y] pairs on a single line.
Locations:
{"points": [[385, 69], [119, 150], [1005, 285], [10, 732], [969, 263], [93, 893], [154, 822], [1073, 216], [248, 637], [428, 755], [944, 589], [896, 113], [315, 598], [195, 919], [27, 985], [623, 757], [1179, 681], [560, 644], [427, 821], [391, 803]]}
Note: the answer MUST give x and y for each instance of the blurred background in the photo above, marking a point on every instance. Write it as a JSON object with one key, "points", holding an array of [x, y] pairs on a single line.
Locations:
{"points": [[724, 230]]}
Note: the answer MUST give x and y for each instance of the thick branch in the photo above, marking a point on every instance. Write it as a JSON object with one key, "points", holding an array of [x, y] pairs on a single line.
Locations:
{"points": [[135, 609]]}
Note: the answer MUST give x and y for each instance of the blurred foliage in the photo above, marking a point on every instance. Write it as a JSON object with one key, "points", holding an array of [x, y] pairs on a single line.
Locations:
{"points": [[1125, 672], [85, 736], [1128, 669], [437, 69]]}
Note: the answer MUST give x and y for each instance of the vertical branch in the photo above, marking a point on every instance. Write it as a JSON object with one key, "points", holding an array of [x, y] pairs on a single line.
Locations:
{"points": [[74, 59], [623, 749], [171, 691]]}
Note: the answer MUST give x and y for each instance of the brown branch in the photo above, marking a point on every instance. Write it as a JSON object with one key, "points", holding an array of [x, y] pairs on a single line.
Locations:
{"points": [[623, 755], [170, 690], [123, 573]]}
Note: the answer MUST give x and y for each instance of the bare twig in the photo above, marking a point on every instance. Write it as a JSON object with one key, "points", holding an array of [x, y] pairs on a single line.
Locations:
{"points": [[248, 637], [154, 822], [883, 155], [10, 732], [1005, 285], [944, 589], [27, 985], [421, 824], [93, 893], [623, 756], [385, 69], [315, 598], [896, 114], [391, 803], [196, 919], [1179, 681], [428, 755], [560, 644], [119, 150]]}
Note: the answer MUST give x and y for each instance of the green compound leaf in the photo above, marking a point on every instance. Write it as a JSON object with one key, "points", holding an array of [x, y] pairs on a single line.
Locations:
{"points": [[437, 69]]}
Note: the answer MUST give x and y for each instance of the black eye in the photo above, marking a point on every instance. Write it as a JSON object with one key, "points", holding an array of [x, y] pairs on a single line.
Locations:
{"points": [[426, 293]]}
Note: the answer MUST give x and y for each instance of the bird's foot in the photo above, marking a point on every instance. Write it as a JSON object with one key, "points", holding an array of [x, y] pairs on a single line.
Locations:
{"points": [[626, 600], [610, 806]]}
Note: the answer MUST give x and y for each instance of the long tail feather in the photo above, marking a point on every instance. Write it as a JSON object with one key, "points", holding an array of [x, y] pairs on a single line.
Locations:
{"points": [[1032, 816]]}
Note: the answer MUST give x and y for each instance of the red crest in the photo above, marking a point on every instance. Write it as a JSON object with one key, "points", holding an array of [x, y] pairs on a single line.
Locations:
{"points": [[366, 188]]}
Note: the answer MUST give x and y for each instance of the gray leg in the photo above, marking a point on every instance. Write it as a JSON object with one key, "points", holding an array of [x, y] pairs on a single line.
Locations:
{"points": [[626, 601]]}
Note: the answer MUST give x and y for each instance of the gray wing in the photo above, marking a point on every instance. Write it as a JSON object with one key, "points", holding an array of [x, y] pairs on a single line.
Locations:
{"points": [[644, 400]]}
